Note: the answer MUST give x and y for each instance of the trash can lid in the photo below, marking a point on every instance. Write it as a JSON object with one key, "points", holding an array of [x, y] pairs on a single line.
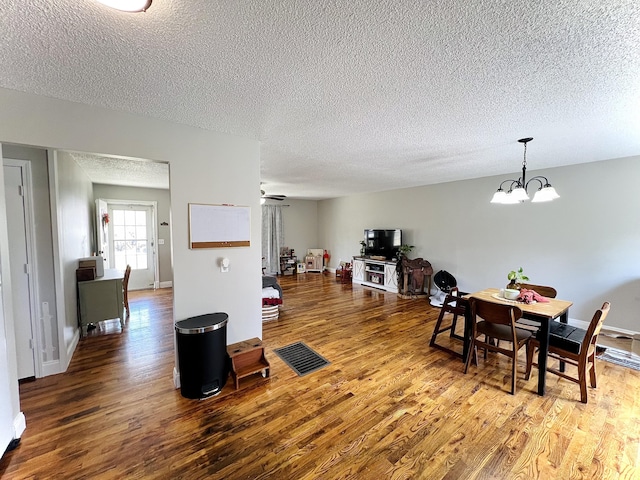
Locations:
{"points": [[202, 323]]}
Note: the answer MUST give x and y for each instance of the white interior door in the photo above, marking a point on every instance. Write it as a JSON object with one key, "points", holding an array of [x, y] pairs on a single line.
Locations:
{"points": [[20, 268], [132, 242]]}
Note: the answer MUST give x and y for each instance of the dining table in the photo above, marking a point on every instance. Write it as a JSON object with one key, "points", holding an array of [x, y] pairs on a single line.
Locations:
{"points": [[541, 313]]}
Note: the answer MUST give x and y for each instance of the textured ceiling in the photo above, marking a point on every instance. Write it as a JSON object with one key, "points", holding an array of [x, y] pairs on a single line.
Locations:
{"points": [[123, 171], [352, 96]]}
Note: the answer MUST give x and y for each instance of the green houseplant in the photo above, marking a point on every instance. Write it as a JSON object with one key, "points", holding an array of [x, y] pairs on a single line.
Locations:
{"points": [[515, 277], [404, 249]]}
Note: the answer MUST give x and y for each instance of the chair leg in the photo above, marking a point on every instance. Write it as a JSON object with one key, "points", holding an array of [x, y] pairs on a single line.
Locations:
{"points": [[472, 353], [453, 325], [530, 352], [592, 370], [514, 368], [582, 379], [437, 329], [487, 340]]}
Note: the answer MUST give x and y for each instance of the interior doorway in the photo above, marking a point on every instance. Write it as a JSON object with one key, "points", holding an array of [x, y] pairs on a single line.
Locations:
{"points": [[130, 239]]}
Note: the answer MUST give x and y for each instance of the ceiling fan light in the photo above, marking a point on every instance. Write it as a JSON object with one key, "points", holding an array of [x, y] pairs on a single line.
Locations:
{"points": [[127, 5]]}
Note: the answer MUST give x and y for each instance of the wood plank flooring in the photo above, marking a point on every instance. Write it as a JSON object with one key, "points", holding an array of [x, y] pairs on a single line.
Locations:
{"points": [[387, 407]]}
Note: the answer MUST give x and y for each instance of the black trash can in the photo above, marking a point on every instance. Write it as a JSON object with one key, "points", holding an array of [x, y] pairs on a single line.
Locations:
{"points": [[202, 354]]}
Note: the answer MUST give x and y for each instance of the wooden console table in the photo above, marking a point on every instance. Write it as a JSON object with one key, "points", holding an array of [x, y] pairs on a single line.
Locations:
{"points": [[101, 299], [247, 357]]}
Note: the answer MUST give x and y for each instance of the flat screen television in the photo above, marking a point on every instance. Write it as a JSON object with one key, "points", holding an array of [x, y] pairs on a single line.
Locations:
{"points": [[382, 242]]}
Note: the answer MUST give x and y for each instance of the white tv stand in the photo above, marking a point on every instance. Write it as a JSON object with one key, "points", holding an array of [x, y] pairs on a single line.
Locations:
{"points": [[375, 273]]}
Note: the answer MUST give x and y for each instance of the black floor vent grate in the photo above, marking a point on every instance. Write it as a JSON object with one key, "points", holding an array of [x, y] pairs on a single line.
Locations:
{"points": [[301, 358]]}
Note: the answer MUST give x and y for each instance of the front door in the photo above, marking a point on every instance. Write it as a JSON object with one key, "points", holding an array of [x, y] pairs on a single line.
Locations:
{"points": [[131, 242]]}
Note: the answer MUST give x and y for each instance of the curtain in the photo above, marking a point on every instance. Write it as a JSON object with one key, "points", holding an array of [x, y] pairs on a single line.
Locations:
{"points": [[272, 237]]}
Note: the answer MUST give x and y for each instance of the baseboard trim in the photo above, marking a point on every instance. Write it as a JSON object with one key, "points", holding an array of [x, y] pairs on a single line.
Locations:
{"points": [[607, 330], [19, 425], [168, 284], [71, 350], [51, 368]]}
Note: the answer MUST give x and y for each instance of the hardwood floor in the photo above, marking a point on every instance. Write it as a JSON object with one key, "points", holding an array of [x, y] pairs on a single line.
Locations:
{"points": [[387, 406]]}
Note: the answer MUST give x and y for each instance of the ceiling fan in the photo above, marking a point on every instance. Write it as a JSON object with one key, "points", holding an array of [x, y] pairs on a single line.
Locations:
{"points": [[264, 196]]}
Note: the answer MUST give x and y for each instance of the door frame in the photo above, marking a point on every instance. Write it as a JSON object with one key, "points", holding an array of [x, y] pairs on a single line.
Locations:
{"points": [[154, 225], [32, 261]]}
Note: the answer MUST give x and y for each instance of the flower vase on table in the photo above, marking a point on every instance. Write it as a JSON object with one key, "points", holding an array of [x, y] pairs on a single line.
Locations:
{"points": [[513, 285], [515, 277]]}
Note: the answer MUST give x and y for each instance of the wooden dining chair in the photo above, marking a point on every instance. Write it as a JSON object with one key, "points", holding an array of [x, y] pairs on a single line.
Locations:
{"points": [[125, 288], [498, 321], [543, 290], [574, 346], [530, 322], [454, 306]]}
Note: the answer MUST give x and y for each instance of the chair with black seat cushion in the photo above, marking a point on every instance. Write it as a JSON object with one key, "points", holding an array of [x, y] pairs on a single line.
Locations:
{"points": [[453, 305], [574, 346], [498, 321]]}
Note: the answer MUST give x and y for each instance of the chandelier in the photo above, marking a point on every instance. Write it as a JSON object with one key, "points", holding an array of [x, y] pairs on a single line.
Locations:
{"points": [[517, 192]]}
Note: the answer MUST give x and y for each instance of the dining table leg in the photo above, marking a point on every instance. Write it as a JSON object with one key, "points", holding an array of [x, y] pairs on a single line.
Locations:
{"points": [[543, 339]]}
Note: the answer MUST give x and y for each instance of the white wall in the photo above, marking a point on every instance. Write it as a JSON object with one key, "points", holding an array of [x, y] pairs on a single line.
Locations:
{"points": [[205, 167], [300, 225], [163, 199], [75, 224], [586, 244]]}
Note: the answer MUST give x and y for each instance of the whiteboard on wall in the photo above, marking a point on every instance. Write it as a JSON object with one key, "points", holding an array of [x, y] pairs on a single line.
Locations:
{"points": [[217, 226]]}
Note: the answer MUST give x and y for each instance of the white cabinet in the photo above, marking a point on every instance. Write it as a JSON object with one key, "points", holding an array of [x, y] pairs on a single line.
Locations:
{"points": [[390, 277], [101, 299], [358, 270], [375, 273]]}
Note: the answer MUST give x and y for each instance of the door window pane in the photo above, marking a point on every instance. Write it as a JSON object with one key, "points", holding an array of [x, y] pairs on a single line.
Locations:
{"points": [[130, 239]]}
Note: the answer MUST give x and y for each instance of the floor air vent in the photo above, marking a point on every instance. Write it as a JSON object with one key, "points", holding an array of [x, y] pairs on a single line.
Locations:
{"points": [[301, 358]]}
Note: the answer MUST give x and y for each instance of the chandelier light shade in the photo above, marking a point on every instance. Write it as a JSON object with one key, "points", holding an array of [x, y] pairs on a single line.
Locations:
{"points": [[517, 192], [128, 5]]}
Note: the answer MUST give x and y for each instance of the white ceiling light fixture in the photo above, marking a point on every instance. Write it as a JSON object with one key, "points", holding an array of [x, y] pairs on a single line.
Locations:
{"points": [[517, 192], [128, 5]]}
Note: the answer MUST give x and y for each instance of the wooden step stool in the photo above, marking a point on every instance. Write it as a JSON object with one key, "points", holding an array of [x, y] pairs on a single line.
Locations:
{"points": [[247, 357]]}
